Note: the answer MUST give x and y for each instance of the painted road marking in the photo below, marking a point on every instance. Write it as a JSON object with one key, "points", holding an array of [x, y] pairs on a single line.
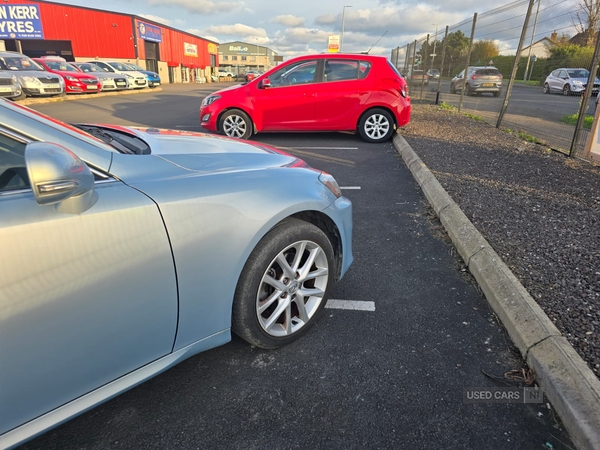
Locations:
{"points": [[350, 187], [329, 148], [354, 305]]}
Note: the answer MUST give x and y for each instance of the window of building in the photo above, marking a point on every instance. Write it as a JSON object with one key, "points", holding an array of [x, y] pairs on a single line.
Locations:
{"points": [[243, 58], [225, 57], [234, 58]]}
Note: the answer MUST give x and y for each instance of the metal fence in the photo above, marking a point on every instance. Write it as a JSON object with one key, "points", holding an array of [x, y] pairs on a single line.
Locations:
{"points": [[526, 41]]}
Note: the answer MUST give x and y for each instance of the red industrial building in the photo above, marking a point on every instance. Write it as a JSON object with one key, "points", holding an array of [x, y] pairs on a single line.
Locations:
{"points": [[82, 34]]}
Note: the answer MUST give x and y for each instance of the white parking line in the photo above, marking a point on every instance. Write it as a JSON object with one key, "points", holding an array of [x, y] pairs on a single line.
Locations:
{"points": [[354, 305], [350, 187], [328, 148]]}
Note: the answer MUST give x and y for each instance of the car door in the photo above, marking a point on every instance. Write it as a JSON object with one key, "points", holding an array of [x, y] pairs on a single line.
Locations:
{"points": [[289, 103], [85, 296], [343, 93]]}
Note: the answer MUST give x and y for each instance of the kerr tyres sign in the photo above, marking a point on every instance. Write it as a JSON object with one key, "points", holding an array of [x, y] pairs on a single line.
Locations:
{"points": [[149, 32], [20, 22]]}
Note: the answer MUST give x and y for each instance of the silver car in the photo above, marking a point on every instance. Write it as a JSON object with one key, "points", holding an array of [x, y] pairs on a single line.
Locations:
{"points": [[137, 80], [110, 81], [33, 78], [569, 82], [127, 250], [479, 80], [9, 85]]}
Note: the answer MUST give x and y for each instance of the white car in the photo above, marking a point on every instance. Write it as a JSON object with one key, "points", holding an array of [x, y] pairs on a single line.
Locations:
{"points": [[137, 80], [33, 78], [110, 81], [225, 73]]}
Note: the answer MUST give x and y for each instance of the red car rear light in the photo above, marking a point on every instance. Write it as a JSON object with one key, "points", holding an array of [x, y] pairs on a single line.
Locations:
{"points": [[474, 77], [398, 85]]}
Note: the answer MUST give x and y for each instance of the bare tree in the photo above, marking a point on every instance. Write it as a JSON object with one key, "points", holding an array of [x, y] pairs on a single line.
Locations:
{"points": [[586, 20]]}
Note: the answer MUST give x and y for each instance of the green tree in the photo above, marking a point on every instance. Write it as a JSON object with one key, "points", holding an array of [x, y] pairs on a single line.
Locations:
{"points": [[483, 51], [456, 50]]}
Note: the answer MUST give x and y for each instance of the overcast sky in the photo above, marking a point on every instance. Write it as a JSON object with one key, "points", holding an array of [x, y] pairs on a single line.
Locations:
{"points": [[300, 27]]}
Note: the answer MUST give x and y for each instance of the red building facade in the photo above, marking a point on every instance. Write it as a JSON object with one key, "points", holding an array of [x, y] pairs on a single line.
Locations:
{"points": [[38, 28]]}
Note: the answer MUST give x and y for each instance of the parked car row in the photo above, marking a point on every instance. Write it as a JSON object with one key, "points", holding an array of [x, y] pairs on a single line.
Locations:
{"points": [[21, 76]]}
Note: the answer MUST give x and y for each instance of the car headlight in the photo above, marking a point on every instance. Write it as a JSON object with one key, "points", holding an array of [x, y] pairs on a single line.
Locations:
{"points": [[105, 79], [14, 79], [31, 80], [70, 78], [330, 183], [129, 76], [210, 99], [577, 83]]}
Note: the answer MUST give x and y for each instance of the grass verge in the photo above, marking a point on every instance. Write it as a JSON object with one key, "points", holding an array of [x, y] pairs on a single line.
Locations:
{"points": [[572, 120]]}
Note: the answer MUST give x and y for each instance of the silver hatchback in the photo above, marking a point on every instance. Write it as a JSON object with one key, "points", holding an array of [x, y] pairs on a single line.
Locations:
{"points": [[479, 80]]}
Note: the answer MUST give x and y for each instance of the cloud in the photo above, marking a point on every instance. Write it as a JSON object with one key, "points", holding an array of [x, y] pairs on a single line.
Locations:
{"points": [[289, 20], [326, 19], [200, 6], [169, 22], [238, 29]]}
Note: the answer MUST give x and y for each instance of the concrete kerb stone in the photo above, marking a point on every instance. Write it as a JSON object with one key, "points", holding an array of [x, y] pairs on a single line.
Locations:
{"points": [[571, 387], [567, 381]]}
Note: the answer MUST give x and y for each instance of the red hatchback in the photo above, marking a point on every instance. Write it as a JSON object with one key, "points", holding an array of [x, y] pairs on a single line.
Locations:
{"points": [[339, 92], [75, 81]]}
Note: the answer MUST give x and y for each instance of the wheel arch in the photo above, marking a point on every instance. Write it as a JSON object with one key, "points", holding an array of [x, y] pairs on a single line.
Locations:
{"points": [[372, 107], [245, 111]]}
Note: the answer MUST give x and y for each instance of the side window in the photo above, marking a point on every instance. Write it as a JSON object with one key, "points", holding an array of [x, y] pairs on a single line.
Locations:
{"points": [[364, 68], [340, 70], [301, 72], [13, 172]]}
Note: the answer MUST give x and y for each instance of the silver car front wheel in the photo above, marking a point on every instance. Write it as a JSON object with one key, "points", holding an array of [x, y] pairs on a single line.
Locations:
{"points": [[284, 285]]}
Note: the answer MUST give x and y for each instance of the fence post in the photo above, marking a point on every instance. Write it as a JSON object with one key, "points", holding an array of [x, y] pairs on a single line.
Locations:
{"points": [[412, 64], [531, 44], [437, 96], [515, 65], [462, 91], [586, 96], [423, 64], [406, 56]]}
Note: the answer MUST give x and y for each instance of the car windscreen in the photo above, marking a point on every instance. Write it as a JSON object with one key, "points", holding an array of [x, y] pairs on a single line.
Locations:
{"points": [[60, 66], [90, 68], [120, 66], [21, 63]]}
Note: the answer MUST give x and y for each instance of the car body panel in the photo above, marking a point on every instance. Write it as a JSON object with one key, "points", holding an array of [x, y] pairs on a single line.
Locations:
{"points": [[480, 79], [109, 80], [94, 302], [575, 78], [312, 102], [135, 79], [9, 84], [102, 283], [75, 80], [34, 80]]}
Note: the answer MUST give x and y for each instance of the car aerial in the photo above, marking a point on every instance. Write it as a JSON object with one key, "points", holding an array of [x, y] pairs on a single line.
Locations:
{"points": [[33, 78], [126, 250], [418, 77], [433, 73], [76, 82], [569, 82], [153, 77], [110, 81], [341, 92], [9, 85], [136, 79], [479, 80]]}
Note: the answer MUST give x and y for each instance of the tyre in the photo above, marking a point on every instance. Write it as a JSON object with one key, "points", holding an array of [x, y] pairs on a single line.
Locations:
{"points": [[566, 89], [452, 89], [23, 96], [376, 125], [284, 285], [546, 88], [236, 124]]}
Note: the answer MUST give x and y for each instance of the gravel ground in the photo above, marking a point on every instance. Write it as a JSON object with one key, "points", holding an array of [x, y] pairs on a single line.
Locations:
{"points": [[540, 210]]}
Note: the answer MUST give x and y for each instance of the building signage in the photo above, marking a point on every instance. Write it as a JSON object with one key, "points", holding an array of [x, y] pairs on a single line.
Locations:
{"points": [[333, 45], [149, 32], [20, 22], [190, 49], [238, 48], [212, 48]]}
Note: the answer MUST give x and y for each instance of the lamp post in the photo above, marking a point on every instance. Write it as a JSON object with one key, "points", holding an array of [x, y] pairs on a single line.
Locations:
{"points": [[343, 18]]}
